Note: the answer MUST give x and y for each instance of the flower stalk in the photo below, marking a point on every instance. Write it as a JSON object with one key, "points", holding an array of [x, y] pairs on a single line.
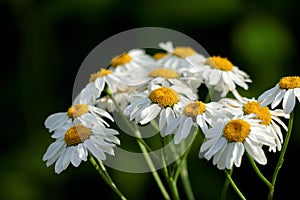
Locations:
{"points": [[281, 157]]}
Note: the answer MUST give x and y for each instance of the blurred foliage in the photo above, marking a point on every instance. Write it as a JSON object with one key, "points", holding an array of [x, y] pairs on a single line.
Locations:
{"points": [[44, 42]]}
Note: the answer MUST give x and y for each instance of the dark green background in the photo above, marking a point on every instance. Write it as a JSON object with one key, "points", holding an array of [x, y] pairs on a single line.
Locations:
{"points": [[44, 42]]}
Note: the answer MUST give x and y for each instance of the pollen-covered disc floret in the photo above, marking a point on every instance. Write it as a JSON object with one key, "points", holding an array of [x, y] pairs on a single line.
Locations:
{"points": [[120, 60], [289, 82], [77, 134], [263, 113], [159, 55], [184, 52], [99, 74], [165, 97], [163, 73], [165, 102], [193, 109], [286, 90], [77, 110], [220, 63], [73, 142], [236, 130], [227, 139]]}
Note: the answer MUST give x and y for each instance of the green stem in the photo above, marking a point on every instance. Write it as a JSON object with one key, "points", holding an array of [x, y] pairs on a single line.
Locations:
{"points": [[226, 185], [153, 169], [234, 185], [172, 183], [173, 188], [182, 168], [281, 157], [144, 148], [260, 175], [103, 173], [207, 99], [180, 163], [184, 175]]}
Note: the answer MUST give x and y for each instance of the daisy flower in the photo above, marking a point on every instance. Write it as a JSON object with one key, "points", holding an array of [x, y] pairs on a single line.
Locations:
{"points": [[221, 76], [130, 60], [268, 117], [177, 58], [194, 113], [228, 139], [166, 102], [286, 90], [160, 75], [73, 143], [97, 83], [83, 113]]}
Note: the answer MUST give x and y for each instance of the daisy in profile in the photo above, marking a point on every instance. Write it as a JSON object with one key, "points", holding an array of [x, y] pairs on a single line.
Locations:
{"points": [[74, 141], [163, 76], [221, 76], [195, 113], [130, 60], [83, 113], [228, 139], [178, 58], [286, 90], [270, 118], [165, 102], [97, 83]]}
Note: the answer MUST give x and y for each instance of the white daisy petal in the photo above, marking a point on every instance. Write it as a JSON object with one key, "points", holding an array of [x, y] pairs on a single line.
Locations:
{"points": [[267, 93], [82, 152], [288, 102], [230, 155], [75, 159], [56, 121], [59, 165], [297, 93], [53, 149], [93, 148], [255, 151], [150, 113], [67, 158], [239, 151], [215, 148], [278, 98], [183, 130]]}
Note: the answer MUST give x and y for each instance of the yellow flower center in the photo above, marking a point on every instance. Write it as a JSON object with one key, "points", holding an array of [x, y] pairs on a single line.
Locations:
{"points": [[77, 110], [163, 73], [219, 63], [120, 60], [158, 56], [194, 109], [184, 52], [165, 97], [77, 134], [99, 74], [289, 82], [236, 130], [262, 113]]}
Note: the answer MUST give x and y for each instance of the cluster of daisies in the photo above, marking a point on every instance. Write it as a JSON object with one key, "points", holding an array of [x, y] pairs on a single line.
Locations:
{"points": [[166, 86]]}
